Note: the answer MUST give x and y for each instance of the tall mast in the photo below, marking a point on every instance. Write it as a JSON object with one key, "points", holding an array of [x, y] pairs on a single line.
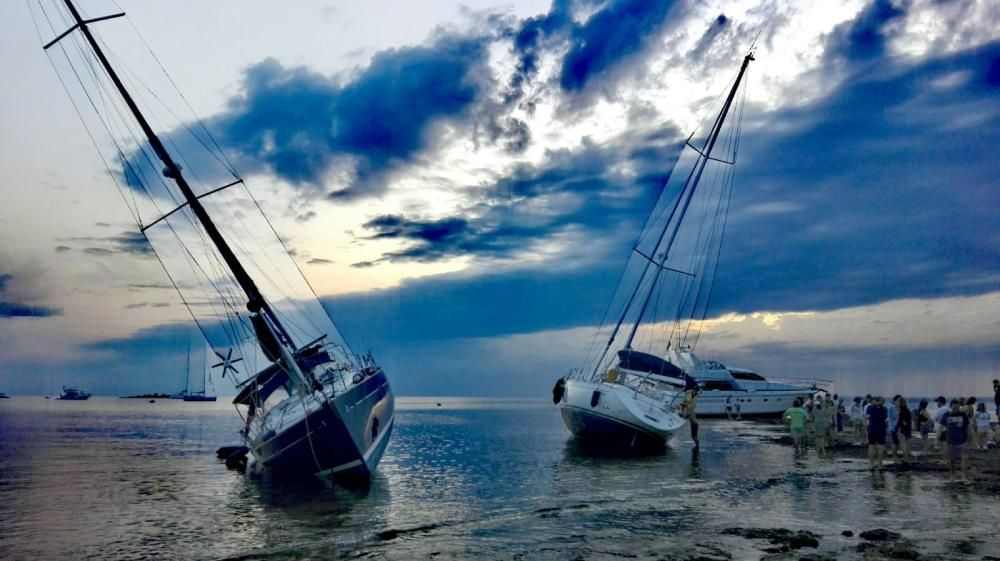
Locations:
{"points": [[690, 185], [695, 174], [274, 340]]}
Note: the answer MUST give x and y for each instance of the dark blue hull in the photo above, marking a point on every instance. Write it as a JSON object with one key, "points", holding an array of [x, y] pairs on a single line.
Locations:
{"points": [[344, 438], [595, 427]]}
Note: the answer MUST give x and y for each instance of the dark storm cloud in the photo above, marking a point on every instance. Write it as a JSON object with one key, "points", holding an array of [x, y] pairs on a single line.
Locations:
{"points": [[127, 242], [864, 38], [837, 203], [301, 125], [718, 25], [610, 37], [582, 188], [17, 297], [885, 189]]}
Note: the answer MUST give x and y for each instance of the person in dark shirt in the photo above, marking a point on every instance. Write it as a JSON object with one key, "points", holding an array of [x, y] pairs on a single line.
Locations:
{"points": [[878, 420], [904, 428], [956, 427], [996, 396]]}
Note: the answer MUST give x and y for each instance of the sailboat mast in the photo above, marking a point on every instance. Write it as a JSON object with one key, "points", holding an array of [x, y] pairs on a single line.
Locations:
{"points": [[255, 300], [690, 185]]}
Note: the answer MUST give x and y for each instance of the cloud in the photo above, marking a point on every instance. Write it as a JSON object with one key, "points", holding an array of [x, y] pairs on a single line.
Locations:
{"points": [[865, 37], [883, 188], [587, 188], [308, 128], [126, 242], [319, 261], [610, 38], [19, 293]]}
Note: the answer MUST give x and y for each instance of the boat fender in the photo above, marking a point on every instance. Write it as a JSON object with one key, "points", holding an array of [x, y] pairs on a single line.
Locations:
{"points": [[595, 398], [357, 378], [558, 390]]}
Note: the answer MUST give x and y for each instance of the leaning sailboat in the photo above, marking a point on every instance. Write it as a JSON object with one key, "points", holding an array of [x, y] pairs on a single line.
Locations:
{"points": [[628, 394], [313, 406]]}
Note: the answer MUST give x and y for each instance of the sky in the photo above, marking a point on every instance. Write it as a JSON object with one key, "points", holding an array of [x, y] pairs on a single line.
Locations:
{"points": [[461, 182]]}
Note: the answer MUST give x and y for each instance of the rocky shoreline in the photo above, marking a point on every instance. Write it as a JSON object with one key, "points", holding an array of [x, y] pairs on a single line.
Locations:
{"points": [[875, 544]]}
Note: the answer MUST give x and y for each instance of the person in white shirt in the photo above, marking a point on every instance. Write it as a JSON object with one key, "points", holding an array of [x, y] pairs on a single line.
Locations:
{"points": [[937, 415], [858, 421]]}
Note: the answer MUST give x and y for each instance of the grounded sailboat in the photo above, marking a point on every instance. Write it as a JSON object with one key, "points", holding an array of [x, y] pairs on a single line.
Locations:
{"points": [[314, 406], [632, 397]]}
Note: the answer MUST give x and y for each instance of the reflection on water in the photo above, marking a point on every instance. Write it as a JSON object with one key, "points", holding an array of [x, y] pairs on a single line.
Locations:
{"points": [[117, 479]]}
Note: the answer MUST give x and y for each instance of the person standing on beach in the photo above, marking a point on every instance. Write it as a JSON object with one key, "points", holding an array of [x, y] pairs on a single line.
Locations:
{"points": [[795, 417], [982, 426], [970, 410], [996, 397], [939, 432], [857, 421], [893, 419], [878, 420], [821, 426], [729, 407], [689, 406], [904, 429], [924, 425], [841, 410], [957, 424]]}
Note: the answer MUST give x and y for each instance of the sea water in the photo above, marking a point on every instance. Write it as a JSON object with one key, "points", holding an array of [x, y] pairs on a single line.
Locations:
{"points": [[462, 479]]}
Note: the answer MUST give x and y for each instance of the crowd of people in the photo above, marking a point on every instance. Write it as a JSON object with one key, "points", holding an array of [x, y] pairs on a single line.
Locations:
{"points": [[889, 427]]}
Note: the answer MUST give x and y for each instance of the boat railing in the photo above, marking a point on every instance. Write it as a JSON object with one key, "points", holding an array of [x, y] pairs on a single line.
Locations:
{"points": [[818, 384]]}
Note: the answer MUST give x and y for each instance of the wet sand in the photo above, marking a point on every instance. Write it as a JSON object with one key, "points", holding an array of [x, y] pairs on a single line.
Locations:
{"points": [[873, 544]]}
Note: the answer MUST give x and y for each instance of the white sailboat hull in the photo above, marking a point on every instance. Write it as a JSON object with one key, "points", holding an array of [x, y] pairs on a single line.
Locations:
{"points": [[619, 415]]}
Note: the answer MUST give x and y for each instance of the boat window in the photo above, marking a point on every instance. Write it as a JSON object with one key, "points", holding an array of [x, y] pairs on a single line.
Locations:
{"points": [[716, 385], [748, 376]]}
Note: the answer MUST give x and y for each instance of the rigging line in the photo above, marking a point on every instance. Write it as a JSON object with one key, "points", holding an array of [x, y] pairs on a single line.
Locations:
{"points": [[198, 119], [76, 108], [739, 130], [92, 104], [138, 79], [311, 289]]}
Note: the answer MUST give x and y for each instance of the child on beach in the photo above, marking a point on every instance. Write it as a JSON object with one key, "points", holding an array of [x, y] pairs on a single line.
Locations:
{"points": [[878, 420], [795, 417], [982, 425], [956, 424]]}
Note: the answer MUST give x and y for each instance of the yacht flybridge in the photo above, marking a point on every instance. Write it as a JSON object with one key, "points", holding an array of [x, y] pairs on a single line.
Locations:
{"points": [[314, 406], [631, 397]]}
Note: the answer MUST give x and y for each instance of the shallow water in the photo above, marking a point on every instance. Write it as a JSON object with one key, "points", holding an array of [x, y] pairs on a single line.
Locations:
{"points": [[495, 479]]}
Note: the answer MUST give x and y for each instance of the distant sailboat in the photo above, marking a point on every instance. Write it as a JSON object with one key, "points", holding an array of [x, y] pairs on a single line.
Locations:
{"points": [[631, 397], [314, 406], [196, 382]]}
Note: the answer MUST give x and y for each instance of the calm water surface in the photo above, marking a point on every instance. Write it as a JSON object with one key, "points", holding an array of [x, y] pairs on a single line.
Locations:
{"points": [[495, 479]]}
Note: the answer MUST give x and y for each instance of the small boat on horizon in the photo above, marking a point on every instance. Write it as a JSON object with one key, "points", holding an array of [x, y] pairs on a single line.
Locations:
{"points": [[73, 394], [4, 396]]}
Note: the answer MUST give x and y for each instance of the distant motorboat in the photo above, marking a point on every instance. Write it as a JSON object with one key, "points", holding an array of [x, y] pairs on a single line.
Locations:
{"points": [[73, 394], [4, 396]]}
